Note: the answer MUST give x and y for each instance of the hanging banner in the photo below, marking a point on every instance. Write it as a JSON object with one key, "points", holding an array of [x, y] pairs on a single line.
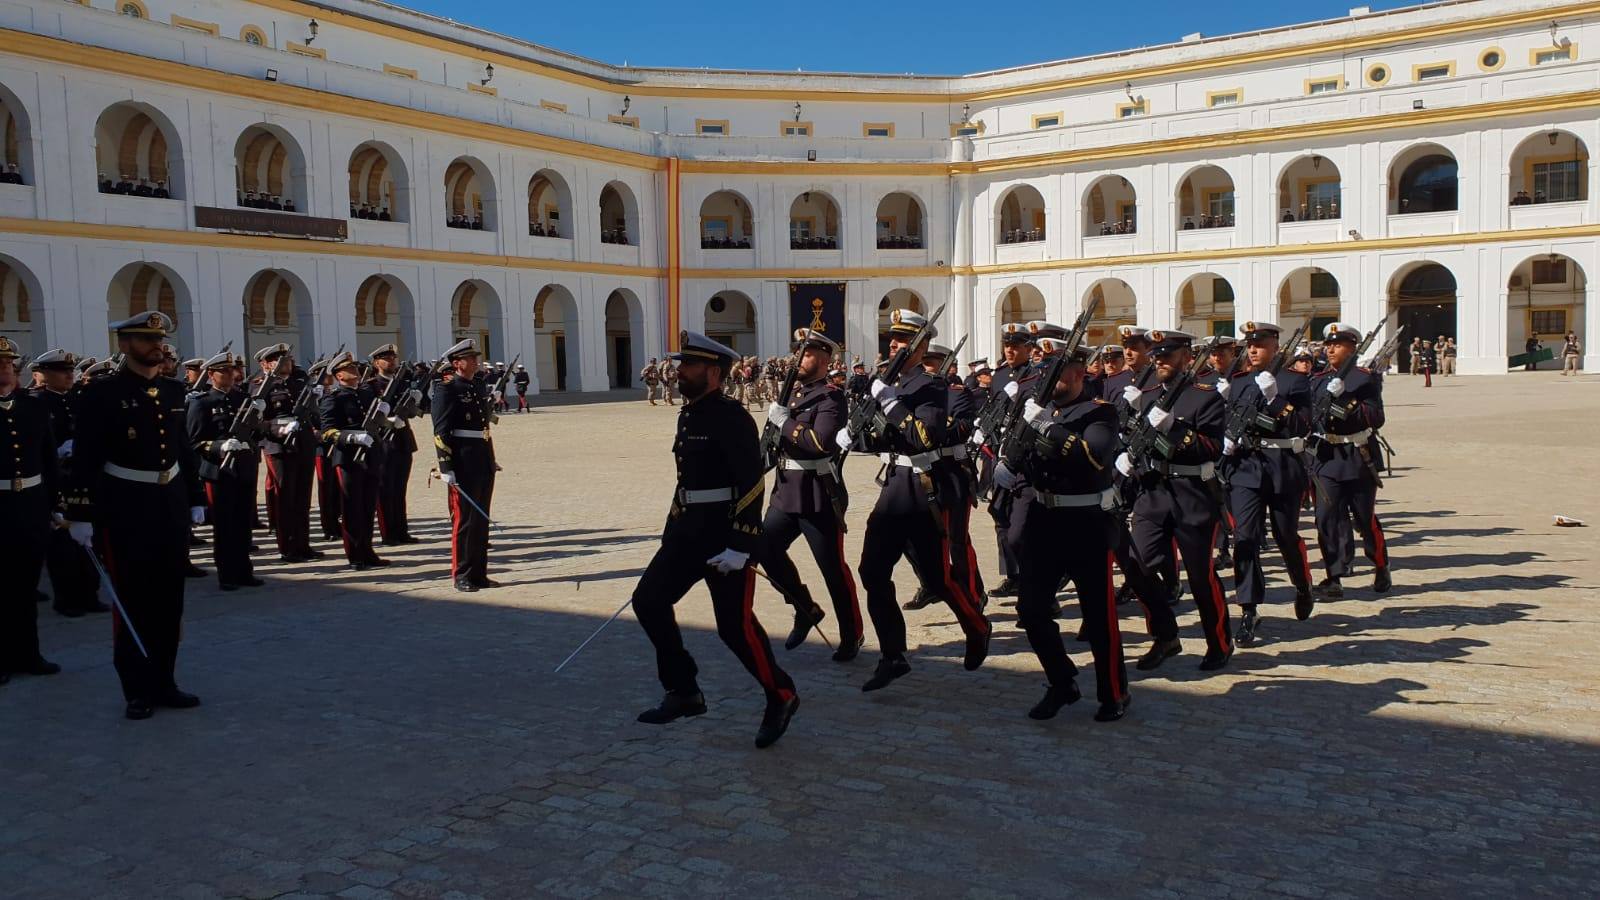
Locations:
{"points": [[819, 307]]}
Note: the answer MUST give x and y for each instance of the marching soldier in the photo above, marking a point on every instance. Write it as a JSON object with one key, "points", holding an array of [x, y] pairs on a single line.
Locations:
{"points": [[521, 380], [227, 466], [1068, 532], [712, 530], [194, 375], [1266, 479], [461, 411], [328, 490], [399, 449], [1176, 509], [290, 456], [1344, 466], [72, 578], [804, 498], [912, 508], [353, 458], [962, 413], [134, 494], [1223, 354], [28, 488], [1016, 347]]}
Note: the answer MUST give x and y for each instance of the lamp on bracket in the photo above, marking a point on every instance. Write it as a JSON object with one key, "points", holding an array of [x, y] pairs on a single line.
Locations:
{"points": [[797, 110], [488, 74], [627, 101], [312, 27]]}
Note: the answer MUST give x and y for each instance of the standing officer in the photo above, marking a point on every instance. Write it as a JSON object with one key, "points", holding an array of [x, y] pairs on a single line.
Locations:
{"points": [[521, 380], [328, 495], [1344, 466], [227, 465], [461, 411], [399, 447], [1266, 479], [134, 493], [1016, 346], [353, 458], [912, 507], [72, 578], [290, 456], [1068, 532], [803, 497], [28, 488], [1176, 511], [712, 530]]}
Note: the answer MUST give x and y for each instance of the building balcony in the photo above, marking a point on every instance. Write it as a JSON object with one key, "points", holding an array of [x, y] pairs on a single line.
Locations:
{"points": [[1417, 224], [726, 258], [1109, 245], [817, 259], [1547, 215], [902, 257], [386, 234], [1027, 252], [145, 212], [1325, 231], [465, 240], [1206, 238], [17, 201]]}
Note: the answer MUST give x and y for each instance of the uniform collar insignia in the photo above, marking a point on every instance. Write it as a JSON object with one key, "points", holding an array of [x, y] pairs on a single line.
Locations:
{"points": [[152, 392]]}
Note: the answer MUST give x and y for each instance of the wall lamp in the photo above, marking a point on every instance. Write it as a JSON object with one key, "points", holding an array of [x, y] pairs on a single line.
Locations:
{"points": [[312, 27], [488, 73]]}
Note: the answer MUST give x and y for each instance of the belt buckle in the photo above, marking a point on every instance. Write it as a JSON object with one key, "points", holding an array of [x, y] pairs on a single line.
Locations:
{"points": [[16, 484], [164, 477]]}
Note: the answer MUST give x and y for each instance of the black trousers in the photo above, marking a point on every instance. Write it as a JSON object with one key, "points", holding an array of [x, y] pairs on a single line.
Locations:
{"points": [[24, 531], [778, 532], [394, 476], [887, 539], [289, 476], [1076, 543], [329, 497], [677, 567], [469, 531], [73, 580], [1345, 508], [1002, 506], [142, 534], [963, 558], [231, 518], [358, 503], [1173, 514], [1253, 510]]}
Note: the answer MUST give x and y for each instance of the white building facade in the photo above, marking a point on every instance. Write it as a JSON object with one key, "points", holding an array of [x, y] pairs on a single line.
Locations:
{"points": [[354, 173]]}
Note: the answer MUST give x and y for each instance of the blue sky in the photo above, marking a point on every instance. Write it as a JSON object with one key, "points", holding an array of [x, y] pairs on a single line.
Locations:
{"points": [[923, 36]]}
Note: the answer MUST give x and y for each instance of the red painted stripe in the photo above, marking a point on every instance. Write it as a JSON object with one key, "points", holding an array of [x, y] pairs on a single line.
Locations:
{"points": [[1380, 546], [1216, 589], [455, 516], [849, 581], [1114, 664], [966, 609], [758, 648], [1305, 563]]}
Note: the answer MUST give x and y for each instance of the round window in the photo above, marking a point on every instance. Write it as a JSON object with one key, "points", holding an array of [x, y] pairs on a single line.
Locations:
{"points": [[1377, 74], [250, 37], [1491, 59], [718, 305], [128, 9]]}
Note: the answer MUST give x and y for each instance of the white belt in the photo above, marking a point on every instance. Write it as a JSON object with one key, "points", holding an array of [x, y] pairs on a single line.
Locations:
{"points": [[1296, 444], [1065, 501], [709, 495], [809, 465], [916, 462], [1359, 437], [468, 433], [1204, 471], [958, 451], [143, 476], [22, 484]]}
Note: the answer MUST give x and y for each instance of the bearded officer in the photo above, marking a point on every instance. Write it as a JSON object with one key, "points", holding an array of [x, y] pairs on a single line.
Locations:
{"points": [[1266, 479], [1177, 509], [911, 507], [134, 493], [713, 529], [806, 478], [353, 458], [1067, 457], [462, 408], [399, 447], [28, 487], [227, 466], [1344, 465]]}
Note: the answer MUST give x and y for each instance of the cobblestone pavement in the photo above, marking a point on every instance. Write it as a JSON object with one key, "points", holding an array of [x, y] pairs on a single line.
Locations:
{"points": [[386, 737]]}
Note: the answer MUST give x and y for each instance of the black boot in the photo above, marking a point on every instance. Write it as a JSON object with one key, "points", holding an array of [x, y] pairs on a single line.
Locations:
{"points": [[1381, 582], [71, 612], [848, 648], [806, 618], [674, 706], [139, 708], [1159, 652], [1006, 588], [41, 666], [1304, 603], [775, 722], [888, 670], [176, 699], [977, 650], [919, 600], [1245, 635], [1112, 710], [1224, 559], [1329, 588], [1054, 698], [1215, 659]]}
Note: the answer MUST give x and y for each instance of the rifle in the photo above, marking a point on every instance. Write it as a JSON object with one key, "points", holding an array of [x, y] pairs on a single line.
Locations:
{"points": [[1380, 361], [1322, 405], [247, 420], [500, 387], [1015, 442], [771, 435], [1246, 415], [377, 422], [943, 372], [1147, 443], [864, 410], [305, 405]]}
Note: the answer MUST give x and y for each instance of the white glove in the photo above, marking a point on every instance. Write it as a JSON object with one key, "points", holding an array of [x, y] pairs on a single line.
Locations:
{"points": [[1229, 448], [291, 427], [83, 533], [416, 398], [197, 515], [361, 438], [1004, 478], [449, 478], [1033, 412], [59, 519], [1336, 386], [728, 561], [1124, 464], [65, 450], [397, 423], [977, 437], [777, 415], [1133, 396], [384, 408], [496, 395], [259, 405], [1160, 419], [1223, 387], [234, 445], [1012, 389], [1268, 385], [316, 391], [843, 439]]}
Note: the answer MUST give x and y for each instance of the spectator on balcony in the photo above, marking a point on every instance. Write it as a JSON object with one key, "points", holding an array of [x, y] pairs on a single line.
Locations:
{"points": [[1188, 223], [383, 215], [1288, 215], [125, 186], [144, 189], [161, 191], [1521, 199], [1539, 197], [106, 187], [476, 224], [11, 175], [535, 229]]}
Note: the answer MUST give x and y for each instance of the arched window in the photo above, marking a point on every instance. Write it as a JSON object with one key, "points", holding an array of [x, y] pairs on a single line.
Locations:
{"points": [[134, 151], [1110, 207], [619, 215], [1310, 191], [270, 170], [813, 222], [1424, 179], [1022, 216], [469, 198], [549, 205], [726, 222], [1205, 200], [378, 184], [901, 223]]}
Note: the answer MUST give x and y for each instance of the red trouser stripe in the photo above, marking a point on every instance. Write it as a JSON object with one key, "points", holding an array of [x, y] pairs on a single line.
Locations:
{"points": [[849, 582], [1380, 547], [758, 648], [966, 609], [211, 494], [455, 516], [1216, 590], [1305, 563], [1114, 647]]}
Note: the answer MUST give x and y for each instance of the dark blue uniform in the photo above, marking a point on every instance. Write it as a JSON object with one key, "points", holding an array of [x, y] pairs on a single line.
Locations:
{"points": [[229, 480], [394, 477], [1345, 468], [354, 468], [291, 462], [461, 437], [1266, 482], [28, 490], [73, 579]]}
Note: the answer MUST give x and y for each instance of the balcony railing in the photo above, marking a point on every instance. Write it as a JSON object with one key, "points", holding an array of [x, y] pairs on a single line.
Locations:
{"points": [[814, 243], [1021, 236], [899, 242], [1190, 223]]}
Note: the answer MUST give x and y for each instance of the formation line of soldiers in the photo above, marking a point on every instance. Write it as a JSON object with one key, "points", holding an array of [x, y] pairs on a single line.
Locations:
{"points": [[1140, 456], [113, 464]]}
